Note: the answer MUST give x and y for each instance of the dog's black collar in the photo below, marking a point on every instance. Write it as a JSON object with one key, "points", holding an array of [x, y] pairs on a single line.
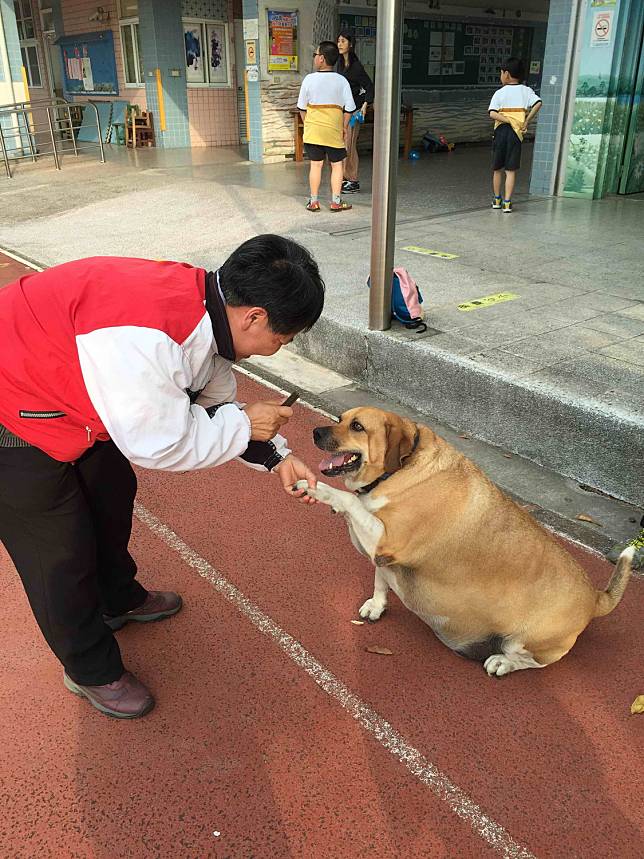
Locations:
{"points": [[364, 490]]}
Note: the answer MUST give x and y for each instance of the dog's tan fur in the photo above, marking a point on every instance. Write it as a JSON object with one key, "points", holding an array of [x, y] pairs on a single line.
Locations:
{"points": [[457, 551]]}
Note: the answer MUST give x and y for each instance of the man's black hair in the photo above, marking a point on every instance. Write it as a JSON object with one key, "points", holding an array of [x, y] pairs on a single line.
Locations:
{"points": [[279, 275], [329, 51], [515, 68]]}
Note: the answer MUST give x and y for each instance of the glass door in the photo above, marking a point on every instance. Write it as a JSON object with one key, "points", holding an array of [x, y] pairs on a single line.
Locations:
{"points": [[632, 173]]}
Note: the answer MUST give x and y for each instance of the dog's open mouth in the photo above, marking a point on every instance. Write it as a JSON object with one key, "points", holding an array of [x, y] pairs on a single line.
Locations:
{"points": [[341, 463]]}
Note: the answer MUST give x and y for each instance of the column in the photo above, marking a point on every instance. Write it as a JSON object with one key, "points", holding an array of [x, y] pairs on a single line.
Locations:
{"points": [[162, 45], [251, 31], [556, 70]]}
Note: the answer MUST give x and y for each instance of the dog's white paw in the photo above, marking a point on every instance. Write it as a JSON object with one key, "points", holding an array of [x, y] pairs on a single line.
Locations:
{"points": [[372, 609], [322, 492], [499, 664]]}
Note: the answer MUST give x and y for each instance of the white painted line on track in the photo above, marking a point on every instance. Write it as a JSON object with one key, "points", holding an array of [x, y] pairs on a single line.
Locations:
{"points": [[417, 764], [21, 260]]}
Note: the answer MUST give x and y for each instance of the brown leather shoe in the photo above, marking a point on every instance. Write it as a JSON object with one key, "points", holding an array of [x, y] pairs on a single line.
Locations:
{"points": [[157, 605], [126, 698]]}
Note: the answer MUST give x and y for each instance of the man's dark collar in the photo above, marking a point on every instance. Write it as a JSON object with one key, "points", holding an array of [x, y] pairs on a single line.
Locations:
{"points": [[366, 489], [216, 307]]}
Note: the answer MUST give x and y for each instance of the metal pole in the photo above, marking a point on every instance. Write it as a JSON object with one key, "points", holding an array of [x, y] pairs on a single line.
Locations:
{"points": [[71, 129], [385, 161], [53, 139], [25, 119], [4, 153]]}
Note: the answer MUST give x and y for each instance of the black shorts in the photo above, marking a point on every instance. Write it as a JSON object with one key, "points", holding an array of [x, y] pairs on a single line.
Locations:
{"points": [[317, 152], [506, 149]]}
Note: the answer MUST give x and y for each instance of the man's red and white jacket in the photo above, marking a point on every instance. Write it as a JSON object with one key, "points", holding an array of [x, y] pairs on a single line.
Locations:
{"points": [[112, 347]]}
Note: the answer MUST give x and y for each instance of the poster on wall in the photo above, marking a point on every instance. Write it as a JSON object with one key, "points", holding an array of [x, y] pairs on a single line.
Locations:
{"points": [[195, 67], [217, 46], [89, 66], [282, 41]]}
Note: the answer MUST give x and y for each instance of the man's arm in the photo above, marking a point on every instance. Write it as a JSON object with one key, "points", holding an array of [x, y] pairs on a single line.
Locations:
{"points": [[303, 115], [137, 379]]}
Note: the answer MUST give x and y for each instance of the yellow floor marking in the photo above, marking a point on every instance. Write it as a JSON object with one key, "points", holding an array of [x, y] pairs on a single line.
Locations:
{"points": [[487, 300], [430, 253]]}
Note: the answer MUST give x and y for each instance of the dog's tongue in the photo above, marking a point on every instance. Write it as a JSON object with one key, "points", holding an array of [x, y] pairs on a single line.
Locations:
{"points": [[336, 461]]}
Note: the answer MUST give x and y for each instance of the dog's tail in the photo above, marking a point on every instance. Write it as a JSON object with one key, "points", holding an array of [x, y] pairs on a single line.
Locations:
{"points": [[608, 599]]}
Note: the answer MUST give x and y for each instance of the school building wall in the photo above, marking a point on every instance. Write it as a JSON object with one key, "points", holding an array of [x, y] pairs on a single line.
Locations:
{"points": [[196, 115]]}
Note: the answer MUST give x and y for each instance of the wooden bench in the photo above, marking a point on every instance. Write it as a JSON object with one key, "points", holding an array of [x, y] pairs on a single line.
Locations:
{"points": [[406, 118]]}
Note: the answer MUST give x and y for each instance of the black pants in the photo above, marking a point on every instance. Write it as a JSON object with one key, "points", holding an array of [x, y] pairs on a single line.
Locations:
{"points": [[67, 528]]}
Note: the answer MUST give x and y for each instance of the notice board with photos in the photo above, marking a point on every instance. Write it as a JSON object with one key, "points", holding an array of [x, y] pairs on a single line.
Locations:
{"points": [[455, 53], [441, 53], [89, 65]]}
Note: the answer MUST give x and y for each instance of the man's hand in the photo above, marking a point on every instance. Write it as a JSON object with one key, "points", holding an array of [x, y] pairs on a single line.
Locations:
{"points": [[524, 128], [363, 109], [266, 418], [292, 469]]}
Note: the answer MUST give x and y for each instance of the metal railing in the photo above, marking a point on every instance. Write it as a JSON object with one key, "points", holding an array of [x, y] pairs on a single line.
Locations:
{"points": [[42, 128]]}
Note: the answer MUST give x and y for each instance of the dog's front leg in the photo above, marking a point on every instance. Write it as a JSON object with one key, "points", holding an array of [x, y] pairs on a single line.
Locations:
{"points": [[366, 527], [373, 608]]}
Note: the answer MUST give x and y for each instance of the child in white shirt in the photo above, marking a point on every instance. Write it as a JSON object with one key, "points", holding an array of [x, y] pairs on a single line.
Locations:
{"points": [[512, 108]]}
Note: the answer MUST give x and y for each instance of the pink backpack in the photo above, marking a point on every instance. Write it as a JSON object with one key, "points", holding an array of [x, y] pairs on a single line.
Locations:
{"points": [[406, 300]]}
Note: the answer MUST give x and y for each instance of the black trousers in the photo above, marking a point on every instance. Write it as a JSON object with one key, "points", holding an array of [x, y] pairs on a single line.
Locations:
{"points": [[67, 528]]}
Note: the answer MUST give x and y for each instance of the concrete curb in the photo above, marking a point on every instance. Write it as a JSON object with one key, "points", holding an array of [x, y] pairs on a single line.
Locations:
{"points": [[574, 436]]}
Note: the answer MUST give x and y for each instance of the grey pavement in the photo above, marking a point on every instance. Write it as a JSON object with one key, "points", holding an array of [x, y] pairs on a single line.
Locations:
{"points": [[556, 374]]}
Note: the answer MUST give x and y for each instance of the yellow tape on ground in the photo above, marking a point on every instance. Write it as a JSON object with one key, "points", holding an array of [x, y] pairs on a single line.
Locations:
{"points": [[430, 253], [487, 300]]}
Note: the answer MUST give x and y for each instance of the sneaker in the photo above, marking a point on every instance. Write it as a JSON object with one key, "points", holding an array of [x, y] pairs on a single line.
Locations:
{"points": [[342, 206], [157, 605], [126, 698], [349, 187], [496, 202], [313, 206], [638, 544], [507, 206]]}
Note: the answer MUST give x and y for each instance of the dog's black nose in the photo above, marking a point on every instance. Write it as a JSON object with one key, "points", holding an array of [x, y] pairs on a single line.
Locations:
{"points": [[318, 434]]}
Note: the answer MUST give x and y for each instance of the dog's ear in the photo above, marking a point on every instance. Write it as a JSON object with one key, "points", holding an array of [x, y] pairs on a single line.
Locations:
{"points": [[399, 444]]}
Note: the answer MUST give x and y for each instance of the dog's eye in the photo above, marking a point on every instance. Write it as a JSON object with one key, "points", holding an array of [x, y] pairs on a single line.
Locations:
{"points": [[357, 427]]}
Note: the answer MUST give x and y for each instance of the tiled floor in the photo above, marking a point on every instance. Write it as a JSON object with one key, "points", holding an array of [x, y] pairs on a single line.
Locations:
{"points": [[576, 267]]}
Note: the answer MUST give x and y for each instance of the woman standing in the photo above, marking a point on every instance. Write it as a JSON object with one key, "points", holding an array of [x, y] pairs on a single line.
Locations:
{"points": [[362, 90]]}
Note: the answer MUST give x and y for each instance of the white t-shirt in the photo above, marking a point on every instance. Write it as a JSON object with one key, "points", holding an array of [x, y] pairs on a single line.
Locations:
{"points": [[325, 96], [514, 101]]}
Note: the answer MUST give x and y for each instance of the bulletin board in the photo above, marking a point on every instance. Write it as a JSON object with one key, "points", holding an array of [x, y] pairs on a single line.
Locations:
{"points": [[89, 66], [455, 53]]}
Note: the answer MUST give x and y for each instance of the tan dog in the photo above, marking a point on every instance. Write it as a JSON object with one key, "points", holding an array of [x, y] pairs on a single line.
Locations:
{"points": [[489, 581]]}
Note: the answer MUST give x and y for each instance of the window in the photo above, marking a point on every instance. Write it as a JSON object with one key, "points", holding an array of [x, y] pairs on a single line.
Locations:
{"points": [[128, 9], [28, 45], [206, 47], [130, 42], [47, 19]]}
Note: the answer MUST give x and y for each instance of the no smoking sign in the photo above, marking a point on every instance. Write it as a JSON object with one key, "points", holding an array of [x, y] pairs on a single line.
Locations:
{"points": [[602, 29]]}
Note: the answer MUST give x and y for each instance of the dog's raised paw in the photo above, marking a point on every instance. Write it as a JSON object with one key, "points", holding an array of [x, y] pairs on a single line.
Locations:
{"points": [[498, 664], [372, 609]]}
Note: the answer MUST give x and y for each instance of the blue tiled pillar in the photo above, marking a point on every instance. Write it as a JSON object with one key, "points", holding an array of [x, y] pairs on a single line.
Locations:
{"points": [[548, 139], [162, 46], [256, 142]]}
